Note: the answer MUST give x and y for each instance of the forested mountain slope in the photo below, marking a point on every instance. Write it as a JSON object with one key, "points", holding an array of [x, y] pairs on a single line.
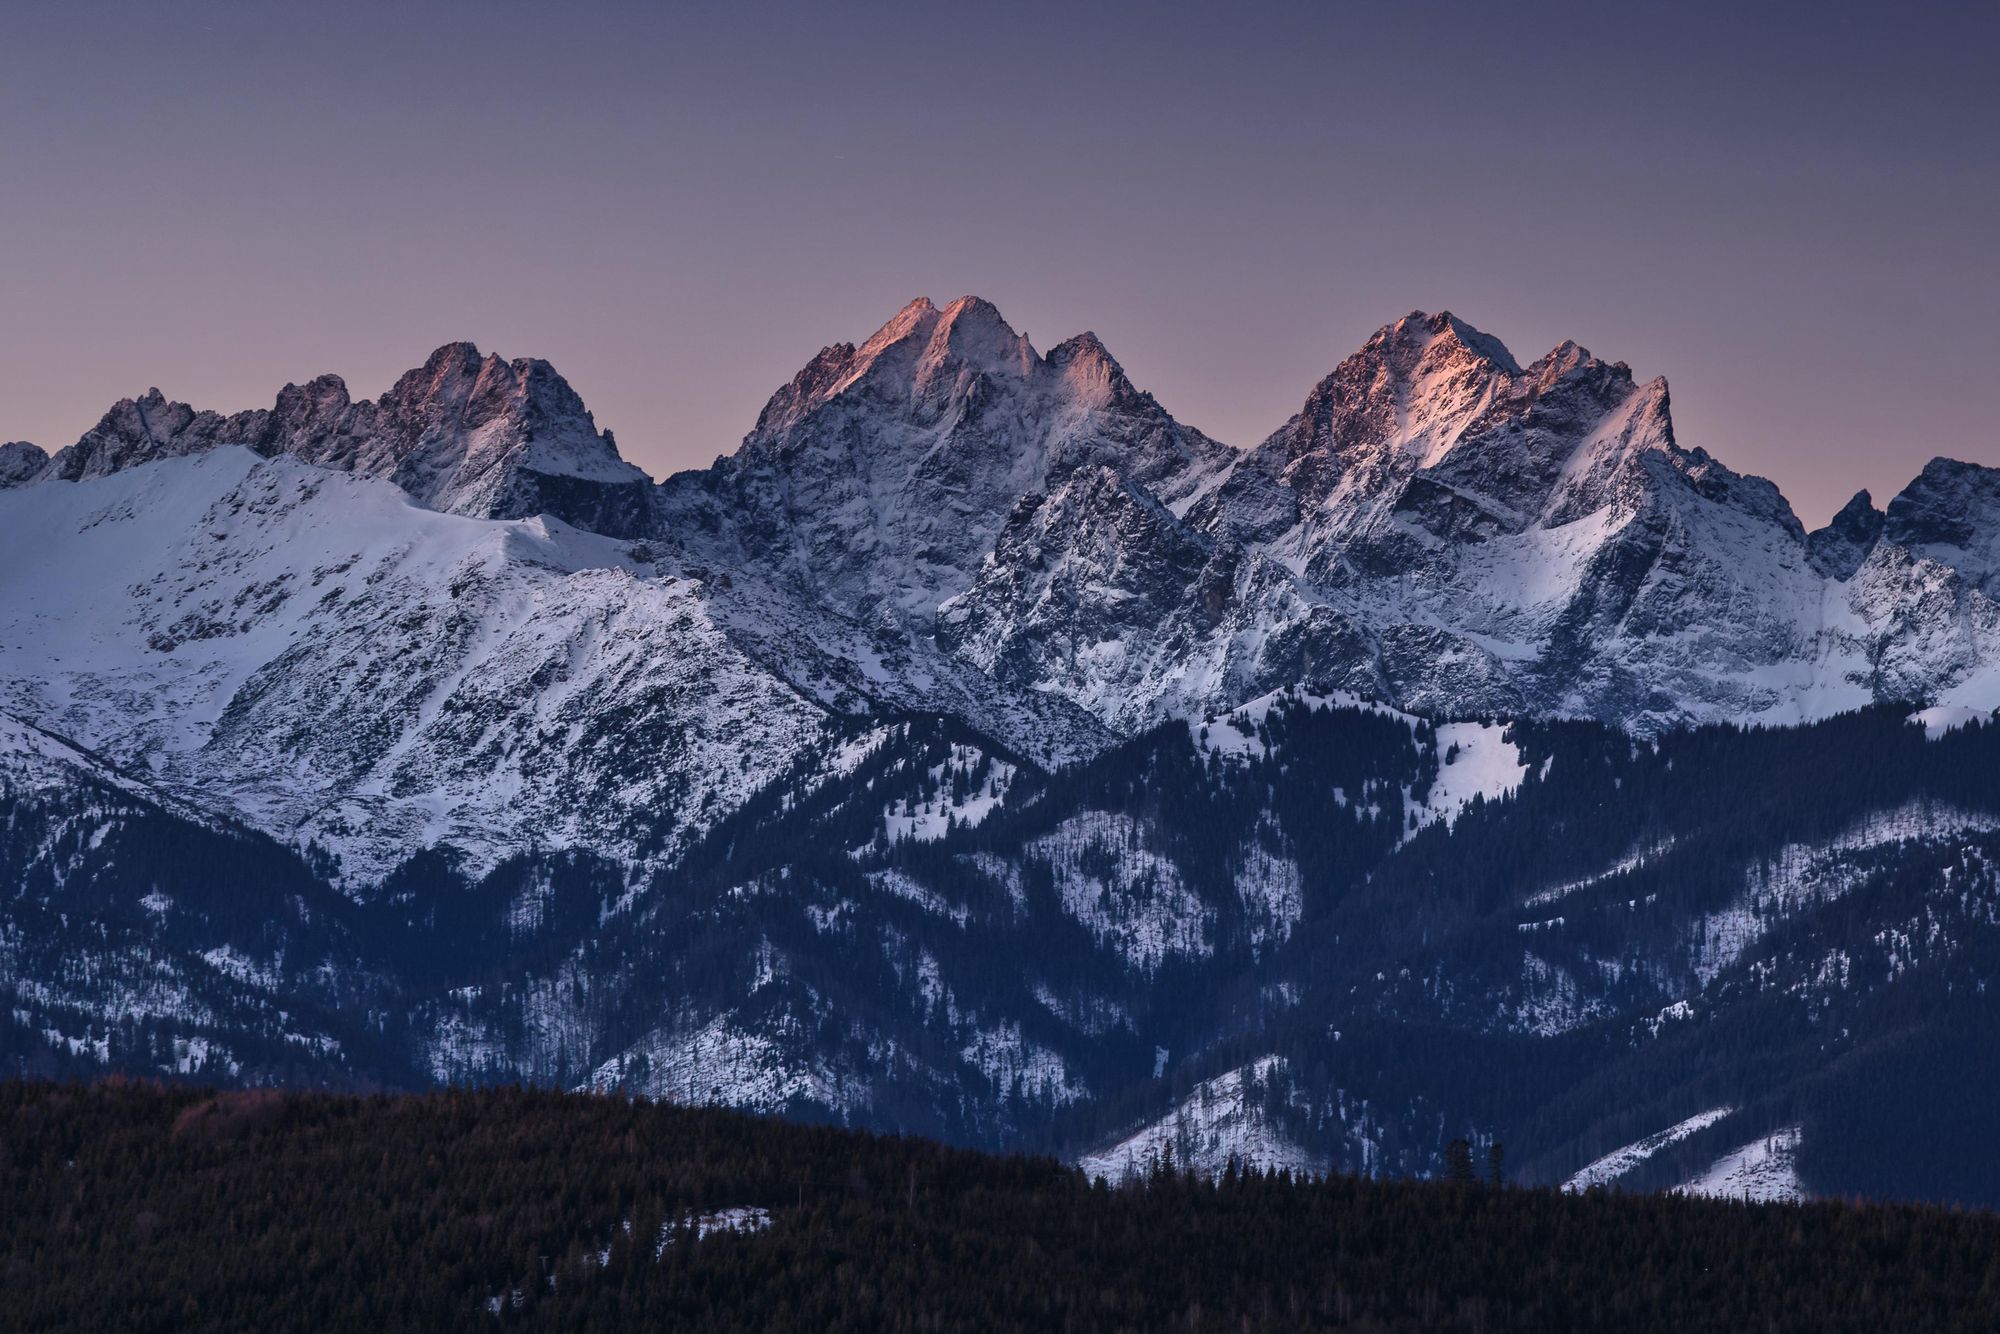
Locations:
{"points": [[141, 1208], [1313, 932]]}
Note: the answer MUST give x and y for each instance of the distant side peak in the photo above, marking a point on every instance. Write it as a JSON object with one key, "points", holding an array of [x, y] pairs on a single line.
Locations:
{"points": [[1089, 368], [1861, 503], [1837, 550], [1942, 467], [21, 462], [1945, 506]]}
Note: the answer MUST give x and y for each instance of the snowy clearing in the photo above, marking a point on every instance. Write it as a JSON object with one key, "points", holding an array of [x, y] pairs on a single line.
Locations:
{"points": [[1763, 1170], [1618, 1162]]}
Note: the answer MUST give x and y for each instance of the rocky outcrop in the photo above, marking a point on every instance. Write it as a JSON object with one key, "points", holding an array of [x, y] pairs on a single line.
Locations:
{"points": [[1951, 514], [1838, 549], [21, 462]]}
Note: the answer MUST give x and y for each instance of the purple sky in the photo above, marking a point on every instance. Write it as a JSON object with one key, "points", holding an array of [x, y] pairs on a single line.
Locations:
{"points": [[1791, 212]]}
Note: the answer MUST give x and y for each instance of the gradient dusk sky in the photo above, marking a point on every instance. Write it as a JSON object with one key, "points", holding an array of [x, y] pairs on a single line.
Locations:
{"points": [[1791, 211]]}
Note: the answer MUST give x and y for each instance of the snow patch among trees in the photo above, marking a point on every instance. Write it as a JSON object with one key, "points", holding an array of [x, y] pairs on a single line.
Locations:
{"points": [[1618, 1162], [1764, 1170], [1223, 1119]]}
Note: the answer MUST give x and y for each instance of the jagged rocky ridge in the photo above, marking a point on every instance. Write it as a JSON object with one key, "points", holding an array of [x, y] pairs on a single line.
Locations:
{"points": [[504, 710], [943, 518], [462, 434]]}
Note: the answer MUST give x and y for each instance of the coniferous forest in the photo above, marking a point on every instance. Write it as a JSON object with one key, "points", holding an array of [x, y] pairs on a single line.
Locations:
{"points": [[136, 1206]]}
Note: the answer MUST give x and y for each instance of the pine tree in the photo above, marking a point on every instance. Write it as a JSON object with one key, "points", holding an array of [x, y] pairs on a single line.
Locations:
{"points": [[1458, 1162]]}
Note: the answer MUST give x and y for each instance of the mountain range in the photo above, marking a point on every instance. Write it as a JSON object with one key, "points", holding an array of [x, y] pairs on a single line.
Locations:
{"points": [[978, 750]]}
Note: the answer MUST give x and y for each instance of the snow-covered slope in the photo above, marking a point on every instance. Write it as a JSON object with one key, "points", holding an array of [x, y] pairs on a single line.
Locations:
{"points": [[315, 653], [1606, 1170], [33, 760], [1285, 934], [1762, 1170]]}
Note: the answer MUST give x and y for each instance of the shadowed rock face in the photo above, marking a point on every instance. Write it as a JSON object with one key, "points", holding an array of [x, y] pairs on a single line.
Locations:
{"points": [[462, 434], [1951, 514], [1838, 549], [21, 462]]}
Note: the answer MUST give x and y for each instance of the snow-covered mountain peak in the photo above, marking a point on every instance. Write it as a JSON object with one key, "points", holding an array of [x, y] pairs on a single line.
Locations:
{"points": [[895, 348], [1432, 415], [970, 347], [450, 364], [1565, 354], [1085, 348], [918, 316], [883, 473], [322, 399], [1091, 376], [459, 374], [470, 405], [929, 363], [133, 431], [1944, 502], [1571, 361], [1439, 527]]}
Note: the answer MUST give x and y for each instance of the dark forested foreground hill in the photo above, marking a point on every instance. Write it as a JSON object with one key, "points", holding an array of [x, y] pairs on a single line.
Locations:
{"points": [[137, 1207]]}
